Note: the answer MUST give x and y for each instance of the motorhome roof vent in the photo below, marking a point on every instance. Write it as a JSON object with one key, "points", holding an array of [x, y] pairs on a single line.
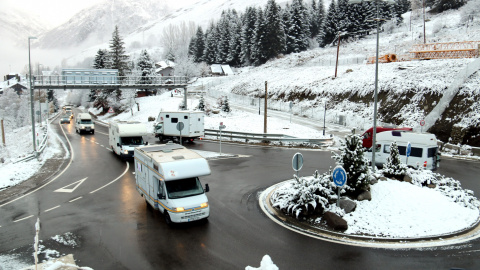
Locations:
{"points": [[178, 157], [397, 133]]}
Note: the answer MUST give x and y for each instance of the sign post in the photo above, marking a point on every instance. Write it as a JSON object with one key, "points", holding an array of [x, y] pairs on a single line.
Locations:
{"points": [[180, 127], [422, 123], [297, 162], [409, 151], [339, 176], [291, 111], [220, 127]]}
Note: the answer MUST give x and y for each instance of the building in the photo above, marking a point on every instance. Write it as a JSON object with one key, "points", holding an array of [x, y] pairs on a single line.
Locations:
{"points": [[165, 68], [221, 70], [13, 81]]}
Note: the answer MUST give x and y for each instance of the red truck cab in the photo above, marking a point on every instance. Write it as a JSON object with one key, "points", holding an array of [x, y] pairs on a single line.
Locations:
{"points": [[367, 136]]}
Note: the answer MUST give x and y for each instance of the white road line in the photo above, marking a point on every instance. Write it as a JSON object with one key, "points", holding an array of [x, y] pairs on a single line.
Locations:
{"points": [[102, 145], [101, 133], [76, 199], [23, 218], [96, 142], [126, 170], [48, 210], [55, 178]]}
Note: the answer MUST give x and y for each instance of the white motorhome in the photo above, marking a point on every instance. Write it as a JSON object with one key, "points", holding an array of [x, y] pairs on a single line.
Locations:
{"points": [[424, 149], [166, 125], [124, 136], [84, 123], [167, 175]]}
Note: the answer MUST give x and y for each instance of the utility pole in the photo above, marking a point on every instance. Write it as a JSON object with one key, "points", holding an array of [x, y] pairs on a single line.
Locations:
{"points": [[265, 109]]}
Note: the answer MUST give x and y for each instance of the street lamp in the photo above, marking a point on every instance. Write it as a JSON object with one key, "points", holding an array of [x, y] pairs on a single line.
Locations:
{"points": [[374, 142], [31, 93]]}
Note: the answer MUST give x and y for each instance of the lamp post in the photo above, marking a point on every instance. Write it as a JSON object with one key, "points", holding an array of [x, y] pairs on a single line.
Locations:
{"points": [[31, 93], [377, 19], [39, 99]]}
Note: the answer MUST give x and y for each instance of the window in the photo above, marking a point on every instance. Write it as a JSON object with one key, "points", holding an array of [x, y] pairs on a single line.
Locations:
{"points": [[416, 152], [155, 167], [432, 152], [183, 188], [174, 120], [402, 150], [198, 119], [167, 116], [185, 117], [386, 149]]}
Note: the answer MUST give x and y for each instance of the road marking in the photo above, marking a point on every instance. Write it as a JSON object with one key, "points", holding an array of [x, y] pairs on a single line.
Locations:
{"points": [[70, 190], [102, 145], [23, 218], [128, 166], [96, 142], [76, 199], [48, 210], [101, 133]]}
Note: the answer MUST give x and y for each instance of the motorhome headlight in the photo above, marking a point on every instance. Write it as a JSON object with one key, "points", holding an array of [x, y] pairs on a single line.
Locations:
{"points": [[179, 209], [203, 205], [125, 152]]}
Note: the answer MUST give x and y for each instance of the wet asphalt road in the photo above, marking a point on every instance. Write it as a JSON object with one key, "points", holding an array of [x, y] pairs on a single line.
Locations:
{"points": [[115, 230]]}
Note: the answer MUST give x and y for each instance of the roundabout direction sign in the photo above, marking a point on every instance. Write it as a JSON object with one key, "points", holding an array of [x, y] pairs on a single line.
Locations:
{"points": [[297, 162], [339, 176]]}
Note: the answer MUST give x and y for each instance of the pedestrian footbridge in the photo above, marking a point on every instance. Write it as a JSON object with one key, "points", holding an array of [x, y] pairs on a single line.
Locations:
{"points": [[110, 82]]}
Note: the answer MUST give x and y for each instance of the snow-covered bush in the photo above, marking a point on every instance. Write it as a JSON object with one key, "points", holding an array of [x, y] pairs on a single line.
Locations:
{"points": [[225, 105], [201, 104], [394, 166], [352, 159], [448, 186], [305, 195]]}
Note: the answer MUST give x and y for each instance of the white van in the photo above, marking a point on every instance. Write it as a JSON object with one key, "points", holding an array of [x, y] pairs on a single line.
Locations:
{"points": [[424, 149], [167, 175], [193, 125], [84, 123], [124, 136]]}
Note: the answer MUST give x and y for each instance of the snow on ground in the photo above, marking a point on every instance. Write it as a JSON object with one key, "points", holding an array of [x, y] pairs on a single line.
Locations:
{"points": [[400, 209]]}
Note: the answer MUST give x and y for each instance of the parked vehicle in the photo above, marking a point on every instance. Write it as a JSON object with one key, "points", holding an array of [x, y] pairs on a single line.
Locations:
{"points": [[167, 175], [166, 126], [84, 123], [124, 136], [368, 135], [424, 149]]}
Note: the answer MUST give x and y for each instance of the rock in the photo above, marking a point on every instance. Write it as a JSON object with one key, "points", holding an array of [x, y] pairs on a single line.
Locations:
{"points": [[383, 178], [407, 178], [335, 222], [366, 195], [347, 205], [431, 185], [2, 160], [151, 119]]}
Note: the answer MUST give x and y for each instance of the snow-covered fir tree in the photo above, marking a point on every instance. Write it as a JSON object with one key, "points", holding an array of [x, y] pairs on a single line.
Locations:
{"points": [[248, 29], [298, 31], [146, 69], [201, 104], [101, 59], [235, 45], [352, 159], [330, 26], [199, 46], [394, 165], [118, 59], [225, 105], [274, 41], [259, 43], [210, 51]]}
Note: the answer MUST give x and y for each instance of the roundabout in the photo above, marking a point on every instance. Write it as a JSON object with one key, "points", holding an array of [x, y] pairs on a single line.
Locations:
{"points": [[456, 237]]}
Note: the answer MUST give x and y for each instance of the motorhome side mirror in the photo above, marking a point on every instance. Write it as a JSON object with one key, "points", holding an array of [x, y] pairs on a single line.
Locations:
{"points": [[207, 188], [160, 196], [118, 144], [146, 143]]}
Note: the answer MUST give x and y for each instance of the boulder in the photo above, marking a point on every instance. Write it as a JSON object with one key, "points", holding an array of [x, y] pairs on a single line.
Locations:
{"points": [[431, 185], [335, 222], [366, 195], [151, 119], [347, 205], [383, 178], [407, 178]]}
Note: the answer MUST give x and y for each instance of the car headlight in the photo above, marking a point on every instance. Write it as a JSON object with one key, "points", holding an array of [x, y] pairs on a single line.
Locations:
{"points": [[203, 205], [179, 209], [125, 151]]}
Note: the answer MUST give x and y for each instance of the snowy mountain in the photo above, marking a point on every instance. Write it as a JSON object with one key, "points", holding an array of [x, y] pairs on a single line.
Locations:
{"points": [[17, 25], [95, 24]]}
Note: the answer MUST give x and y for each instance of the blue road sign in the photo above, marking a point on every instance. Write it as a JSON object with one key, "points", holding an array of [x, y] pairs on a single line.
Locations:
{"points": [[339, 176], [297, 162], [409, 149]]}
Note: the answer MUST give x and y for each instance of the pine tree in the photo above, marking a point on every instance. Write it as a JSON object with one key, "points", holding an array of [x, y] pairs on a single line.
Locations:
{"points": [[146, 68], [274, 41], [201, 104], [355, 164], [248, 30], [235, 45], [117, 56], [198, 45], [314, 20], [394, 166], [210, 51], [101, 59], [330, 27], [258, 53], [298, 33], [225, 105]]}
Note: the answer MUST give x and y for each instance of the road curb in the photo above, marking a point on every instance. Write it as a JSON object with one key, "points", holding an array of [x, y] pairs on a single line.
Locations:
{"points": [[467, 234]]}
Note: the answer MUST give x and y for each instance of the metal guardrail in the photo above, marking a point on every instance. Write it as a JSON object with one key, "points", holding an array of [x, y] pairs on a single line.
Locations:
{"points": [[40, 149], [247, 136]]}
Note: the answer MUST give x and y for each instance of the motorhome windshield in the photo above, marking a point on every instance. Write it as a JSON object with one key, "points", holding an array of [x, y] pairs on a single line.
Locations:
{"points": [[138, 140], [183, 188], [85, 121]]}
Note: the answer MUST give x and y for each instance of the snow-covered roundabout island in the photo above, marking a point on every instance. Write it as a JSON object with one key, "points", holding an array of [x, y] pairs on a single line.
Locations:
{"points": [[399, 215]]}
